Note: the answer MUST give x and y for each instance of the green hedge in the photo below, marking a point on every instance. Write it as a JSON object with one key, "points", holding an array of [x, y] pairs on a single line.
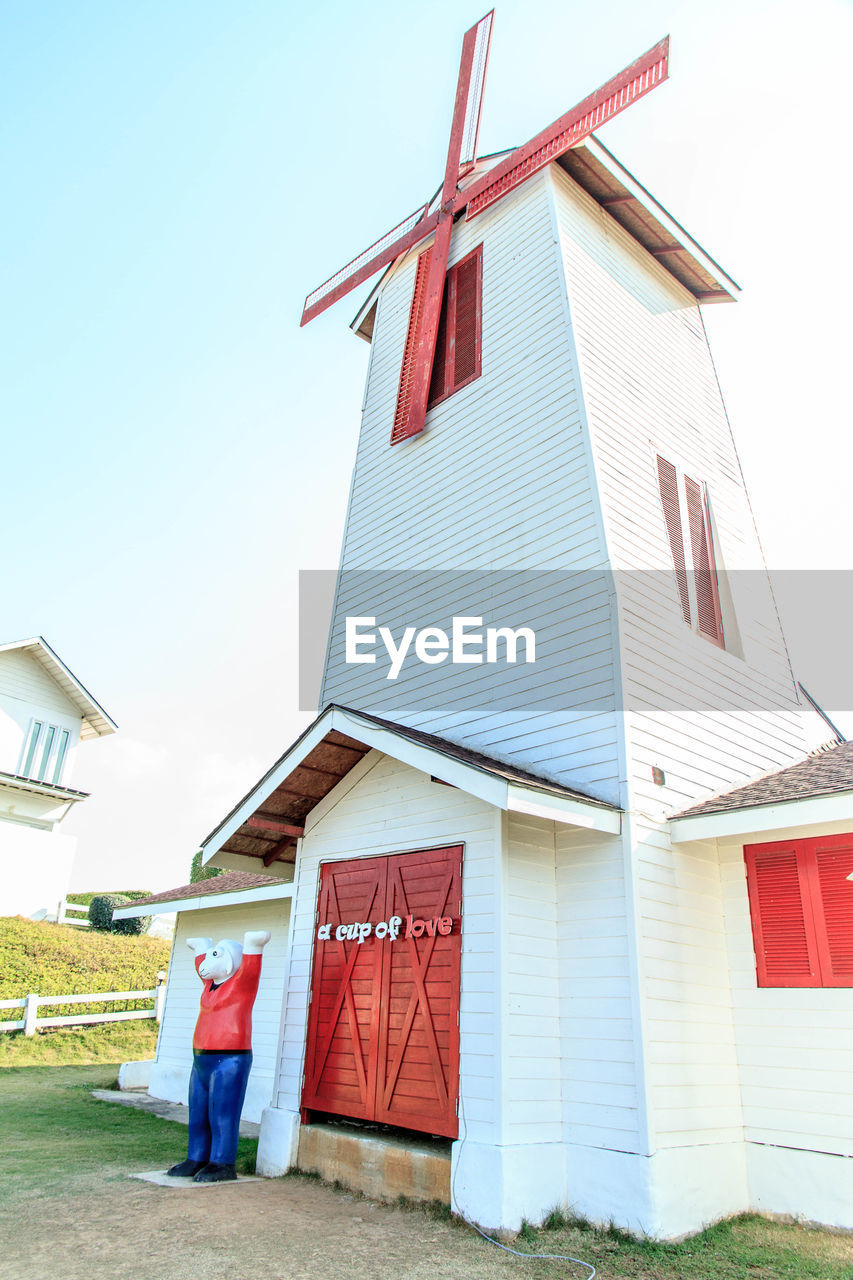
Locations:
{"points": [[102, 910], [85, 899], [54, 960], [198, 872]]}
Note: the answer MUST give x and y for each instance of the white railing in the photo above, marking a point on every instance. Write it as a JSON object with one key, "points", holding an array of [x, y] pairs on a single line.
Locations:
{"points": [[31, 1022], [62, 916]]}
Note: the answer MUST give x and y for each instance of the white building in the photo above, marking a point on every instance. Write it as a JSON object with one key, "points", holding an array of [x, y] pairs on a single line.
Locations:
{"points": [[45, 713], [516, 921], [224, 907]]}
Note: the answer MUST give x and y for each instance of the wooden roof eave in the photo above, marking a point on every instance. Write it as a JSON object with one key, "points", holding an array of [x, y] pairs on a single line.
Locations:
{"points": [[337, 741], [601, 175]]}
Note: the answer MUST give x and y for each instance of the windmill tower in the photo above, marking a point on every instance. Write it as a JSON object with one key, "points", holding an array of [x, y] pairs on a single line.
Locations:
{"points": [[552, 604], [544, 446]]}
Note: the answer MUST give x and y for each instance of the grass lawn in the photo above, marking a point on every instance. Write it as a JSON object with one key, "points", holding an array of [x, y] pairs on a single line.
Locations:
{"points": [[57, 1139], [745, 1248], [114, 1042]]}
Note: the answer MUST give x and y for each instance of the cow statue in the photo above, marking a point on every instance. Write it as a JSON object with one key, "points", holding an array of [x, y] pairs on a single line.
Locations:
{"points": [[222, 1054]]}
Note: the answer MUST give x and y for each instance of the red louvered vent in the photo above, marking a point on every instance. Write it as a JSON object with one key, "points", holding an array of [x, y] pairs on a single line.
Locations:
{"points": [[709, 620], [782, 927], [457, 351], [404, 393], [668, 485], [466, 348], [834, 863]]}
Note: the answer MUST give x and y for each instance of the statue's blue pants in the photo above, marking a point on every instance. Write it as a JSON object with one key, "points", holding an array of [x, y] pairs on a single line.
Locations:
{"points": [[217, 1089]]}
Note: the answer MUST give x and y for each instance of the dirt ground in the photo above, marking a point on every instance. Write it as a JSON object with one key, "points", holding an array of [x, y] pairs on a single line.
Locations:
{"points": [[283, 1229]]}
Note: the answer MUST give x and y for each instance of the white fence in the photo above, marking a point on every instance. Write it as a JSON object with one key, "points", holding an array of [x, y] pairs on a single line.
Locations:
{"points": [[62, 916], [31, 1022]]}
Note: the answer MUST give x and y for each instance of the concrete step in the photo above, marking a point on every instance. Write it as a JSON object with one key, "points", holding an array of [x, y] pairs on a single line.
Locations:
{"points": [[380, 1165]]}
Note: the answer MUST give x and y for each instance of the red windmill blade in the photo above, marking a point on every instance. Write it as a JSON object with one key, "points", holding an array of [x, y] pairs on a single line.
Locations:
{"points": [[462, 151], [624, 89], [414, 384]]}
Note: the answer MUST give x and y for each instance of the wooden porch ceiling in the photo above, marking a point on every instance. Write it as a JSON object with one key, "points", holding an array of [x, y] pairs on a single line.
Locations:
{"points": [[271, 831]]}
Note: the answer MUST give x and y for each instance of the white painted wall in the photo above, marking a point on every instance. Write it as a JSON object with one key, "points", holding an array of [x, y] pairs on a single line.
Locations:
{"points": [[26, 693], [499, 480], [171, 1071], [35, 868], [602, 1094], [23, 677], [710, 718], [795, 1055]]}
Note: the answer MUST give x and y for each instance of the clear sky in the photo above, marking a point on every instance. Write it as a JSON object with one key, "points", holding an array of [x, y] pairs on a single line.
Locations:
{"points": [[175, 449]]}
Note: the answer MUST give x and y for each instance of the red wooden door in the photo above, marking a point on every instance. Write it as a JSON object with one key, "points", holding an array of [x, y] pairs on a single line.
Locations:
{"points": [[418, 1068], [383, 1038], [343, 1026]]}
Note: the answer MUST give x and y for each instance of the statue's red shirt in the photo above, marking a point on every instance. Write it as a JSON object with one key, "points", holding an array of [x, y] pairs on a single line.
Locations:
{"points": [[225, 1016]]}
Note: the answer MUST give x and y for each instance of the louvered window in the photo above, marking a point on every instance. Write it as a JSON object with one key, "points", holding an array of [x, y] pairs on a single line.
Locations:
{"points": [[457, 350], [801, 904], [691, 543]]}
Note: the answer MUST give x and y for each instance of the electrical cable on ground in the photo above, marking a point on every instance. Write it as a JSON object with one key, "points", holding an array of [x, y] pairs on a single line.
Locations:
{"points": [[517, 1253]]}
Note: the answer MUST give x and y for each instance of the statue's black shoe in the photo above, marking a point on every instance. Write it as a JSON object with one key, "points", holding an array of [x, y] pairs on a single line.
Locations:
{"points": [[217, 1173], [186, 1169]]}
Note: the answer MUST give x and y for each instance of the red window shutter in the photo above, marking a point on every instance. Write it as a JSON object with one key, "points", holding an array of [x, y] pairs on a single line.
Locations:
{"points": [[465, 349], [709, 620], [404, 392], [833, 895], [783, 931], [457, 351], [440, 366], [668, 485]]}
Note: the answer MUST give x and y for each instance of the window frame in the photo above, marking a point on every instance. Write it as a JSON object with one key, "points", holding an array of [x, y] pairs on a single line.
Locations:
{"points": [[817, 921], [45, 751], [449, 300], [681, 523]]}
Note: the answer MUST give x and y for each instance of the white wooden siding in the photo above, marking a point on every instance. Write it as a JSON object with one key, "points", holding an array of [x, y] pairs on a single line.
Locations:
{"points": [[533, 1066], [26, 693], [709, 718], [23, 677], [598, 1026], [385, 807], [174, 1045], [691, 1062], [794, 1045], [498, 481]]}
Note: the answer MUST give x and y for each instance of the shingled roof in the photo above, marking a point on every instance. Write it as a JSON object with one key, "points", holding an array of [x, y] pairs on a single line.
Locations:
{"points": [[826, 772], [228, 882]]}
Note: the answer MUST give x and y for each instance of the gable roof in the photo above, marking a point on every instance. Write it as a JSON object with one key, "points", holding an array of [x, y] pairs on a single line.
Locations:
{"points": [[826, 772], [96, 722], [230, 888], [266, 823], [603, 177], [610, 184]]}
